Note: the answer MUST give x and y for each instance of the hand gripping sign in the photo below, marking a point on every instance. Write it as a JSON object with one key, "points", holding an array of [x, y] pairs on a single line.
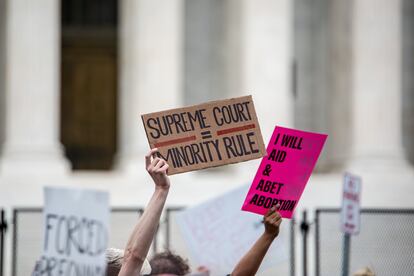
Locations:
{"points": [[284, 172], [206, 135]]}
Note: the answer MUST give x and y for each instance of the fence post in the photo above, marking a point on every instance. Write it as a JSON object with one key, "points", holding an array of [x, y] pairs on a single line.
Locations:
{"points": [[317, 272], [167, 229], [292, 246], [345, 254], [3, 229], [304, 227], [14, 247]]}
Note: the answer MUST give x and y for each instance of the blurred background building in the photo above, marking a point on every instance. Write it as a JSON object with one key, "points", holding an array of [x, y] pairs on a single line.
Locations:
{"points": [[76, 75]]}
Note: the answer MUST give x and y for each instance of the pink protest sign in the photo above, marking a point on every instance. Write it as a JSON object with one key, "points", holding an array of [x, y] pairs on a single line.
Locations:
{"points": [[284, 172]]}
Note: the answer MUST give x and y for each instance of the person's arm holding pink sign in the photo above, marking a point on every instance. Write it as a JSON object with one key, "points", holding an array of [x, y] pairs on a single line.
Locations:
{"points": [[250, 262]]}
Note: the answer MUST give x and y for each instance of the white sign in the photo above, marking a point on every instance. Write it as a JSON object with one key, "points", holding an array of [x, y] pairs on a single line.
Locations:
{"points": [[75, 232], [218, 234], [350, 213]]}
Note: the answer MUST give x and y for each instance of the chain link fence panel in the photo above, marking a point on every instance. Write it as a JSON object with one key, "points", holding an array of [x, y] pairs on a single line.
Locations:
{"points": [[385, 243]]}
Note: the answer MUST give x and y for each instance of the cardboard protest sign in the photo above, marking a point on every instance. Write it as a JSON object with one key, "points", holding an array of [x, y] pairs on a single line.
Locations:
{"points": [[350, 212], [217, 235], [206, 135], [284, 172], [75, 232]]}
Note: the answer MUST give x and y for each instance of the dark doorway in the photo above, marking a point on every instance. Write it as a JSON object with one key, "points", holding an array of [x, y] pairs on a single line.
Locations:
{"points": [[89, 82]]}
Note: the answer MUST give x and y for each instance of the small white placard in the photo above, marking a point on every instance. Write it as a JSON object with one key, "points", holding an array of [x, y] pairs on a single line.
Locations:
{"points": [[350, 213]]}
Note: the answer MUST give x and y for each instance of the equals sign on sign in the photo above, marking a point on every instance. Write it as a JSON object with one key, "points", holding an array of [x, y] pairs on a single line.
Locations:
{"points": [[206, 134]]}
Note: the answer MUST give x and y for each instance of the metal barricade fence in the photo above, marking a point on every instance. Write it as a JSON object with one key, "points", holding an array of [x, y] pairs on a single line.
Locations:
{"points": [[385, 243], [168, 226], [3, 228], [27, 236]]}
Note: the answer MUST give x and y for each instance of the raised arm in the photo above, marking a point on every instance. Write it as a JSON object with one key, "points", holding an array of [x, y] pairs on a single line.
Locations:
{"points": [[250, 262], [140, 240]]}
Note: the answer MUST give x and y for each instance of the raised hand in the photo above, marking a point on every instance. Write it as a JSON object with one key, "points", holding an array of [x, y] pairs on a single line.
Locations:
{"points": [[157, 169], [272, 221]]}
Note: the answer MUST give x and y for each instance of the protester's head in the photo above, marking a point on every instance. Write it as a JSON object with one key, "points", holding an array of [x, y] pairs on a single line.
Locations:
{"points": [[114, 260], [168, 263], [364, 272]]}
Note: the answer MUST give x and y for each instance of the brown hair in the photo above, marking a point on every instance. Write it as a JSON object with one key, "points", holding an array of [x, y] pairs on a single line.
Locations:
{"points": [[167, 262]]}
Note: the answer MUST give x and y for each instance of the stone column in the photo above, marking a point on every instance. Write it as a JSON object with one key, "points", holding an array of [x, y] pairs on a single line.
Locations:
{"points": [[408, 81], [336, 100], [376, 88], [260, 59], [150, 70], [32, 89], [311, 36], [2, 68]]}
